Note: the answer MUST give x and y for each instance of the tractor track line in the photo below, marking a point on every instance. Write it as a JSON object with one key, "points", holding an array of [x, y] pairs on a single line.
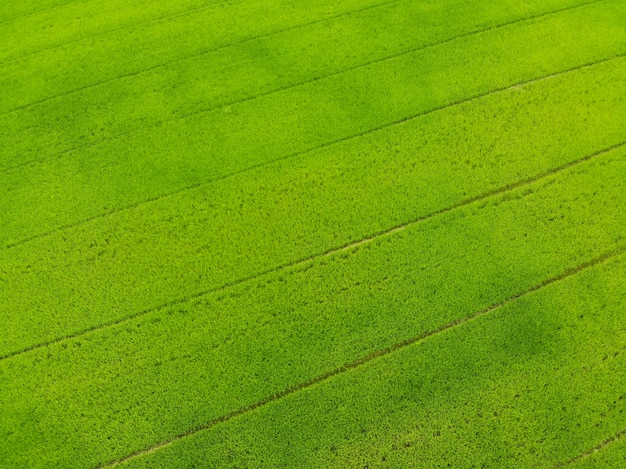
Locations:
{"points": [[314, 257], [371, 357], [609, 441], [173, 193]]}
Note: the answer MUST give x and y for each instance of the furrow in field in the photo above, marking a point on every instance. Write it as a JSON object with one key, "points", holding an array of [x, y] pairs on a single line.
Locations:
{"points": [[348, 367], [292, 122], [487, 394], [234, 348], [203, 239], [52, 118], [157, 63], [315, 257]]}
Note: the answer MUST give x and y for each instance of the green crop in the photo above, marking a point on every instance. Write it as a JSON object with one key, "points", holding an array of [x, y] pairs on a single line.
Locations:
{"points": [[610, 452], [210, 145], [178, 246], [243, 344], [499, 391], [340, 234]]}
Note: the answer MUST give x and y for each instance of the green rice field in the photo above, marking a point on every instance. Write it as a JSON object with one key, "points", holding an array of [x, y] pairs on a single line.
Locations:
{"points": [[279, 234]]}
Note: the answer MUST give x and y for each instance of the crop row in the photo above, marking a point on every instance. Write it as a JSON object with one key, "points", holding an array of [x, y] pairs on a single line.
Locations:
{"points": [[202, 239], [105, 394]]}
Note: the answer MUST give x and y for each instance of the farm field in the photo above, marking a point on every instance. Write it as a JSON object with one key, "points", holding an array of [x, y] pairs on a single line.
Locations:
{"points": [[358, 234]]}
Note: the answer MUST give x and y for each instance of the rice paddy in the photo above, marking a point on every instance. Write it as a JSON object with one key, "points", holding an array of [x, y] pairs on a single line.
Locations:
{"points": [[272, 234]]}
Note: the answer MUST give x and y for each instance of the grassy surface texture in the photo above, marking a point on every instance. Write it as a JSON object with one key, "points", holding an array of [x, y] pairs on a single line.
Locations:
{"points": [[338, 234]]}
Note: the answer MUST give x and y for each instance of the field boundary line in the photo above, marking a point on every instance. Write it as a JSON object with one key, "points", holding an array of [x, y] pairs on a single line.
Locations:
{"points": [[596, 449], [199, 54], [312, 258], [412, 50], [297, 154], [347, 367]]}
